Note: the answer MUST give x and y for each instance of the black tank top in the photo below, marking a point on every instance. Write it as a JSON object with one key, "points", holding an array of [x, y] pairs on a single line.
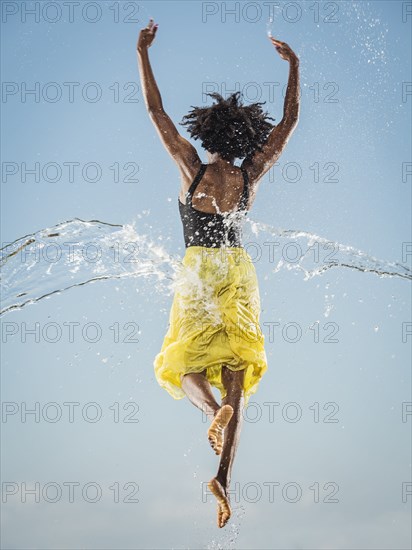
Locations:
{"points": [[213, 230]]}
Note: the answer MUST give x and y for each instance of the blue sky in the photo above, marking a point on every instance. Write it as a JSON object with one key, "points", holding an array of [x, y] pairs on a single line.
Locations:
{"points": [[355, 124]]}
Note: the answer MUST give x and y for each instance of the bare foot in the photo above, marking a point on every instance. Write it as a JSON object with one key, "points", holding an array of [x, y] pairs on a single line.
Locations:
{"points": [[219, 423], [223, 506]]}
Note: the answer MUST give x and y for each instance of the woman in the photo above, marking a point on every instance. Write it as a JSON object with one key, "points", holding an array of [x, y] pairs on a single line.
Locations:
{"points": [[214, 337]]}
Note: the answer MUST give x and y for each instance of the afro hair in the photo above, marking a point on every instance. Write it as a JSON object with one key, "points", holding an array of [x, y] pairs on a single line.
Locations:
{"points": [[228, 127]]}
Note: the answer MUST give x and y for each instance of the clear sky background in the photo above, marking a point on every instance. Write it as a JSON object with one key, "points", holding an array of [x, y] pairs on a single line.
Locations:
{"points": [[330, 419]]}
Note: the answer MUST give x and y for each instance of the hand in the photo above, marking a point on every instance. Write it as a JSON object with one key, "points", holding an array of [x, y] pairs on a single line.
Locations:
{"points": [[147, 35], [284, 50]]}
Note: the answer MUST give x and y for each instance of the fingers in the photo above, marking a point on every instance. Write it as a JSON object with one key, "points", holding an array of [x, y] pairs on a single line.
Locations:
{"points": [[278, 44], [282, 48], [152, 26]]}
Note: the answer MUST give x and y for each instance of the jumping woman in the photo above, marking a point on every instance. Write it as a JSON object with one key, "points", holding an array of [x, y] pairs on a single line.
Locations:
{"points": [[214, 338]]}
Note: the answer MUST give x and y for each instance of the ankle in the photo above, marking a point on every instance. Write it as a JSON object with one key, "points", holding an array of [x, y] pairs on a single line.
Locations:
{"points": [[223, 482], [209, 411], [215, 412]]}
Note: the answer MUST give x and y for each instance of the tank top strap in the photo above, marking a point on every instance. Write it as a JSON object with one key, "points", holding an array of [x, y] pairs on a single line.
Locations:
{"points": [[245, 192], [195, 183]]}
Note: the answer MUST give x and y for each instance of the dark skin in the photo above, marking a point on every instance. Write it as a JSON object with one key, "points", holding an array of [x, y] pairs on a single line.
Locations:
{"points": [[220, 190]]}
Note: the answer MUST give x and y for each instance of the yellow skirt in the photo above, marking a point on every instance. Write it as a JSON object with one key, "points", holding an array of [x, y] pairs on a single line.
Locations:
{"points": [[214, 321]]}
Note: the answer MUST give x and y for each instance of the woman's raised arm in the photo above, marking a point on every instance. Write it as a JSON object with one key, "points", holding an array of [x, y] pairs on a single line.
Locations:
{"points": [[181, 150], [263, 160]]}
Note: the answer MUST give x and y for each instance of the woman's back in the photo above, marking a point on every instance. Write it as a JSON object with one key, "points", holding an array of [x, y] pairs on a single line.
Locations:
{"points": [[214, 218], [219, 190]]}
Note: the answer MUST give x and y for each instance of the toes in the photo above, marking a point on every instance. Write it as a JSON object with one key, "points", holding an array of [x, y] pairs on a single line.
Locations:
{"points": [[223, 517], [219, 517], [224, 520], [216, 447], [215, 444]]}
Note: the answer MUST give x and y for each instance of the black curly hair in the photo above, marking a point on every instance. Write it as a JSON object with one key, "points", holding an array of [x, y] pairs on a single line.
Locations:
{"points": [[228, 127]]}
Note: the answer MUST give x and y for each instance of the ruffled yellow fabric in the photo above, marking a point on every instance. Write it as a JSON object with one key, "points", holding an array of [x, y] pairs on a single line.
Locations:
{"points": [[214, 321]]}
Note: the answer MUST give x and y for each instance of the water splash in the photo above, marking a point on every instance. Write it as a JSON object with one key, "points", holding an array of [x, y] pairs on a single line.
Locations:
{"points": [[228, 540], [357, 36], [78, 252], [269, 26], [313, 254], [275, 11], [75, 253]]}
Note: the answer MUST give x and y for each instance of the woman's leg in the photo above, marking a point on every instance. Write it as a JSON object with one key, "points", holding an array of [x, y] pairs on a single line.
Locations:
{"points": [[219, 485], [233, 384], [199, 391]]}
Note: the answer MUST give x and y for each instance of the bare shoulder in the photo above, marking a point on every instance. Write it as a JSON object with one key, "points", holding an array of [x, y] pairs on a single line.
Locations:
{"points": [[262, 160], [188, 170], [254, 176]]}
